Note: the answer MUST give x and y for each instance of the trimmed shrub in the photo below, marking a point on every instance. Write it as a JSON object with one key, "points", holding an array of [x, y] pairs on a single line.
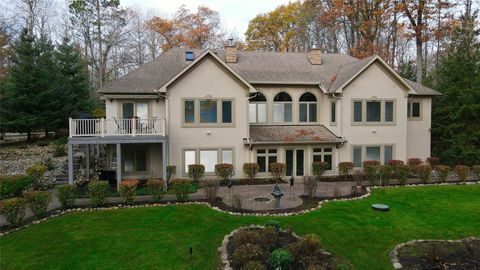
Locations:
{"points": [[13, 210], [443, 172], [254, 265], [402, 172], [433, 161], [319, 168], [171, 171], [66, 195], [155, 188], [250, 170], [36, 172], [127, 190], [395, 162], [13, 186], [462, 172], [476, 171], [37, 201], [59, 150], [98, 192], [181, 187], [224, 171], [247, 252], [424, 172], [412, 162], [211, 189], [383, 173], [370, 170], [280, 258], [345, 169], [277, 170], [310, 185], [196, 172]]}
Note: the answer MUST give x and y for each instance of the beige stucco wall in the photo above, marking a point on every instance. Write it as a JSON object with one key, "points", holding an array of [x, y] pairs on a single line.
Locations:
{"points": [[374, 83], [418, 130], [208, 78]]}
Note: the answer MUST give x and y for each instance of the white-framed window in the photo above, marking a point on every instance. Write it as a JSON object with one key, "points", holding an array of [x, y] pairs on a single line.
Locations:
{"points": [[308, 108], [370, 112], [414, 110], [380, 153], [200, 111], [323, 154], [257, 108], [134, 161], [208, 157], [282, 108], [265, 157]]}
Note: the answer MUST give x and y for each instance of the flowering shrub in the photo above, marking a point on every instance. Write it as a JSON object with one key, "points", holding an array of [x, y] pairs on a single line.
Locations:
{"points": [[37, 201], [181, 187], [171, 171], [476, 171], [412, 162], [462, 172], [433, 161], [310, 185], [383, 173], [395, 162], [224, 171], [13, 186], [402, 172], [66, 195], [345, 169], [36, 172], [98, 192], [250, 170], [424, 172], [196, 171], [127, 190], [13, 210], [370, 169], [155, 188], [318, 168], [280, 259], [442, 171], [277, 170], [211, 189]]}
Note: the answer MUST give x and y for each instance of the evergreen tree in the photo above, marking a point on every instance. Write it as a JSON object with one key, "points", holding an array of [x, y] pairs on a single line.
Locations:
{"points": [[456, 114], [407, 70], [74, 84]]}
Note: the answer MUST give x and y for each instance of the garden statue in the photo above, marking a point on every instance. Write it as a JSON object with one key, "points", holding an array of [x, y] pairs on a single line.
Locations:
{"points": [[277, 194]]}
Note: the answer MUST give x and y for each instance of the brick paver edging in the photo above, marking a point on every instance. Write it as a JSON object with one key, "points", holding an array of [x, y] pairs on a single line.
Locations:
{"points": [[320, 203], [394, 254]]}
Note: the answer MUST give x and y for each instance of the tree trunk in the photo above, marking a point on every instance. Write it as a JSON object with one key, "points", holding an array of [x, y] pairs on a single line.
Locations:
{"points": [[419, 60]]}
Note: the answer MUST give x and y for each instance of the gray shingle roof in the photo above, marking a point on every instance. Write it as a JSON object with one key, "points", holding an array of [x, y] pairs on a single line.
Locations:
{"points": [[254, 67], [291, 134], [422, 90]]}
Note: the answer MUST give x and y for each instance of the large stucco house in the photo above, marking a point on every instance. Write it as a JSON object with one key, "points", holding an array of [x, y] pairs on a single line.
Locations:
{"points": [[193, 106]]}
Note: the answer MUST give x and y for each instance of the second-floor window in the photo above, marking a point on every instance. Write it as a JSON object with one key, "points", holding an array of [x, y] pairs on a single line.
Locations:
{"points": [[134, 109], [308, 108], [208, 111], [282, 108], [413, 110], [257, 108], [373, 112]]}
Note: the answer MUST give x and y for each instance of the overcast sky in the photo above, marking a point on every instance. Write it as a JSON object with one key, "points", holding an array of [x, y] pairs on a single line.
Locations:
{"points": [[235, 13]]}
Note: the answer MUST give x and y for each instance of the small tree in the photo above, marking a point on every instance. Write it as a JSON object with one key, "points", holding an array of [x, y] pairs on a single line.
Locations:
{"points": [[443, 172], [345, 169], [277, 170], [319, 168], [462, 172], [250, 170], [171, 171], [424, 172], [224, 171], [196, 172]]}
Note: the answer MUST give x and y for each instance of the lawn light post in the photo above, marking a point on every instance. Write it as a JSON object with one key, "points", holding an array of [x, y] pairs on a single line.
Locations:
{"points": [[292, 189], [277, 194]]}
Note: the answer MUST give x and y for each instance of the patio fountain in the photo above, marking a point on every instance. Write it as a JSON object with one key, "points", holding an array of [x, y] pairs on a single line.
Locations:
{"points": [[277, 194]]}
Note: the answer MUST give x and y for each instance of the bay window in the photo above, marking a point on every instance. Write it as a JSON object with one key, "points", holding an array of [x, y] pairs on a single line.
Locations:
{"points": [[282, 108], [308, 108]]}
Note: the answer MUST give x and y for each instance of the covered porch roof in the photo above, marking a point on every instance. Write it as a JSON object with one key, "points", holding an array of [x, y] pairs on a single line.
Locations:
{"points": [[292, 134]]}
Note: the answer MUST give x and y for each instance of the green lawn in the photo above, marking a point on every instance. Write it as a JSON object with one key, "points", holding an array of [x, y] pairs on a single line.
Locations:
{"points": [[159, 237]]}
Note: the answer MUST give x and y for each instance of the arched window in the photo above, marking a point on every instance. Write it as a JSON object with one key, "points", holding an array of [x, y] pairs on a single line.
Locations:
{"points": [[308, 108], [257, 109], [282, 108]]}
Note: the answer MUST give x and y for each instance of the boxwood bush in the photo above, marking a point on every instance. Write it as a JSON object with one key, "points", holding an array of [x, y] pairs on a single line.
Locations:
{"points": [[277, 170], [224, 171], [98, 192], [13, 186], [280, 259], [319, 168], [345, 169], [155, 188], [181, 187], [196, 172], [13, 210], [66, 195], [37, 201], [127, 190]]}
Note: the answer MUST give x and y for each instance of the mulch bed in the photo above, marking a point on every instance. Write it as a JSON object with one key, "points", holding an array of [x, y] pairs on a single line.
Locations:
{"points": [[464, 255]]}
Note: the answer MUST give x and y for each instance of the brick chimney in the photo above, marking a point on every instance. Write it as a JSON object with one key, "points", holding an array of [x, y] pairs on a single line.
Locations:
{"points": [[314, 56], [231, 52]]}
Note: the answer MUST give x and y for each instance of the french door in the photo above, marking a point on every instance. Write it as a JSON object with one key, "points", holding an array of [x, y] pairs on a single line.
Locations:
{"points": [[295, 160]]}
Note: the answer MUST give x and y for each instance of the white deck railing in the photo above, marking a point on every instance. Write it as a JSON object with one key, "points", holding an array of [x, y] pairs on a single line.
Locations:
{"points": [[116, 127]]}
